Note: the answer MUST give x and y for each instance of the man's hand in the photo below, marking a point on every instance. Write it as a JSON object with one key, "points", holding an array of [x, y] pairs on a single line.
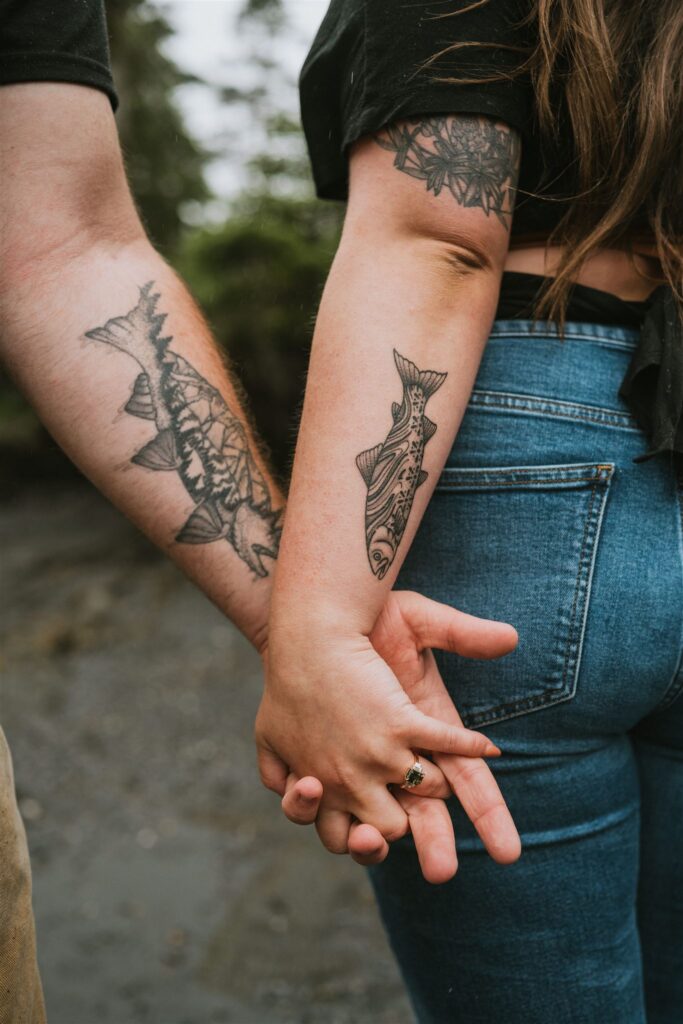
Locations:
{"points": [[406, 630]]}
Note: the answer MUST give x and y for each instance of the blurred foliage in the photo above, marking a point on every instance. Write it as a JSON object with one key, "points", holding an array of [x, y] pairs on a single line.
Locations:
{"points": [[259, 279], [270, 13], [257, 276], [165, 164]]}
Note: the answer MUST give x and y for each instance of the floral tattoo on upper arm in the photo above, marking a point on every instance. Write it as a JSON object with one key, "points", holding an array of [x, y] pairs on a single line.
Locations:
{"points": [[475, 158], [197, 436]]}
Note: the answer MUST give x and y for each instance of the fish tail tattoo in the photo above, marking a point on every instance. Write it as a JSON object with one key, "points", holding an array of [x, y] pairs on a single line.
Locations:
{"points": [[392, 470], [197, 436]]}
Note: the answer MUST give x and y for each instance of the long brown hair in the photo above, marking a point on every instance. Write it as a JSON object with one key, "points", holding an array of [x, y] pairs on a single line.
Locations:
{"points": [[619, 64]]}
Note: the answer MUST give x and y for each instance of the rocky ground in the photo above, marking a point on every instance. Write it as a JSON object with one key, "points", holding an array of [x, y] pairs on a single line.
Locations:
{"points": [[167, 886]]}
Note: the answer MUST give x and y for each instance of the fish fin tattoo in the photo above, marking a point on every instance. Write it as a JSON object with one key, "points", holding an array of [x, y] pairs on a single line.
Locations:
{"points": [[474, 157], [392, 470], [367, 461], [198, 437]]}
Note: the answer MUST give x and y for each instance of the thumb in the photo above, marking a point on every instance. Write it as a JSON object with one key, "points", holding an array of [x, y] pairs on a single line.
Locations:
{"points": [[438, 625]]}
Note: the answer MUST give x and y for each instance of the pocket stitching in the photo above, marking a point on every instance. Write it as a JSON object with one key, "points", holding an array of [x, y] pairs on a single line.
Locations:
{"points": [[577, 588], [561, 477], [528, 480], [512, 402], [549, 697]]}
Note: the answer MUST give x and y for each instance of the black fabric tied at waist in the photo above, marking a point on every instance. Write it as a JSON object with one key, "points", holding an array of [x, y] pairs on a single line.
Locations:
{"points": [[653, 384]]}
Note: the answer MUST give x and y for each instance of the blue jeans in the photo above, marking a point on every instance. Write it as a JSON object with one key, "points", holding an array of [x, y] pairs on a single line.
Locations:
{"points": [[542, 519]]}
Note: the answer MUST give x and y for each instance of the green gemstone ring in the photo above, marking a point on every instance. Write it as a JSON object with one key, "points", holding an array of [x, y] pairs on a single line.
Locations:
{"points": [[413, 777]]}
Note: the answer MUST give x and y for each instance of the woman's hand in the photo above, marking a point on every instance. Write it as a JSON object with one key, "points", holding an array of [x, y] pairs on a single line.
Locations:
{"points": [[334, 709], [407, 627], [404, 635]]}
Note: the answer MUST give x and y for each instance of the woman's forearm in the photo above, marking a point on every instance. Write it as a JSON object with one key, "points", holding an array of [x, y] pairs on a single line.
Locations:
{"points": [[402, 326], [399, 337]]}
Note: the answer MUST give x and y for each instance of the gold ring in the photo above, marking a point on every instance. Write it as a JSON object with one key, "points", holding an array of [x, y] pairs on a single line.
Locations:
{"points": [[414, 776]]}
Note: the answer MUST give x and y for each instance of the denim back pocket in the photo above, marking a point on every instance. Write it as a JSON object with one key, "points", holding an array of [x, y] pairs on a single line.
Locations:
{"points": [[517, 544]]}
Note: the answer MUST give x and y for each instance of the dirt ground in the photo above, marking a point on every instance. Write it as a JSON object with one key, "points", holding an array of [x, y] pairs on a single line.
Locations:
{"points": [[168, 888]]}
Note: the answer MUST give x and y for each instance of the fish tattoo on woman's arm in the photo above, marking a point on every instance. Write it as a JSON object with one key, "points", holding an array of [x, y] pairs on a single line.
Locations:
{"points": [[392, 470], [198, 437]]}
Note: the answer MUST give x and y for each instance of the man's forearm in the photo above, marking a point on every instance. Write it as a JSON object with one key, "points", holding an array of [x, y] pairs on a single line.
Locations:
{"points": [[115, 357]]}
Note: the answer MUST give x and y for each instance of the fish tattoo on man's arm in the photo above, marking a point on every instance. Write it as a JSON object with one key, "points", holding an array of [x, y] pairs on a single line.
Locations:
{"points": [[198, 437], [392, 470]]}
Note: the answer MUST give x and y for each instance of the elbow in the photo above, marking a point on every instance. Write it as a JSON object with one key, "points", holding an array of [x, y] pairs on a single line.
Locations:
{"points": [[43, 239], [470, 256], [39, 257], [462, 257], [470, 245]]}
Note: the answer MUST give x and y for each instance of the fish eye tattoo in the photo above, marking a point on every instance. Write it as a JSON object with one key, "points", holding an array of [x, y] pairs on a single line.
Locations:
{"points": [[474, 157], [392, 470], [198, 437]]}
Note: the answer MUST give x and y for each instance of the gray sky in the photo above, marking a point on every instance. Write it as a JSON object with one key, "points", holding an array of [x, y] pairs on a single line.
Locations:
{"points": [[207, 43]]}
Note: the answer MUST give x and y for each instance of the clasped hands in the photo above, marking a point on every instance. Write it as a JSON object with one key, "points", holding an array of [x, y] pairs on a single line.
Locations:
{"points": [[342, 718]]}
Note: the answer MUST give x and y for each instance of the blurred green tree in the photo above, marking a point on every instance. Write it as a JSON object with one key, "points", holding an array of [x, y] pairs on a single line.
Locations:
{"points": [[165, 163], [259, 276], [269, 13]]}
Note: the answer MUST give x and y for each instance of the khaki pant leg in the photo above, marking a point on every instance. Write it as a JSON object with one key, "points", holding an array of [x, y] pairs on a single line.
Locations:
{"points": [[21, 995]]}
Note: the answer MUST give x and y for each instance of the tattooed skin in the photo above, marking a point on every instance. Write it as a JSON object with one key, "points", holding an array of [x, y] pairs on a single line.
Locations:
{"points": [[198, 437], [393, 469], [475, 158]]}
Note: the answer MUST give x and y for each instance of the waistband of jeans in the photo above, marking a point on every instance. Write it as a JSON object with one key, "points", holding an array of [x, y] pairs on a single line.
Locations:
{"points": [[604, 334]]}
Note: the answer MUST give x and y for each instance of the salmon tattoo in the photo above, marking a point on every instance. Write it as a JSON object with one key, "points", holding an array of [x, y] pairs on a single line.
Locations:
{"points": [[198, 437], [393, 469]]}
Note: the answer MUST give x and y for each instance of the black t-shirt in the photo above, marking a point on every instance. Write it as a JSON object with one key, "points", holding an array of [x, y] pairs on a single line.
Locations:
{"points": [[365, 70], [367, 67], [55, 41]]}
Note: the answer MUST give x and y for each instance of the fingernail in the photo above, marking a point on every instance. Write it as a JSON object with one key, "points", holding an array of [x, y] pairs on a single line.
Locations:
{"points": [[492, 750], [307, 800]]}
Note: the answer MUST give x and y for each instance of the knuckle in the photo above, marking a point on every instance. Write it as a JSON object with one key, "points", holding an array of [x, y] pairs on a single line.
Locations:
{"points": [[479, 740], [268, 781], [489, 811], [297, 818], [334, 844], [259, 730], [352, 779], [391, 834], [342, 777], [468, 770], [395, 829]]}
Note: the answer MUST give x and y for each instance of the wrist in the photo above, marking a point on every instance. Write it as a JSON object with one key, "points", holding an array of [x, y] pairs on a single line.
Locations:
{"points": [[258, 636], [305, 618]]}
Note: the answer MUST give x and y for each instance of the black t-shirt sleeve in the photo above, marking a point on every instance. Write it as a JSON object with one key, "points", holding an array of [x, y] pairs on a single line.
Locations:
{"points": [[366, 68], [55, 41]]}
